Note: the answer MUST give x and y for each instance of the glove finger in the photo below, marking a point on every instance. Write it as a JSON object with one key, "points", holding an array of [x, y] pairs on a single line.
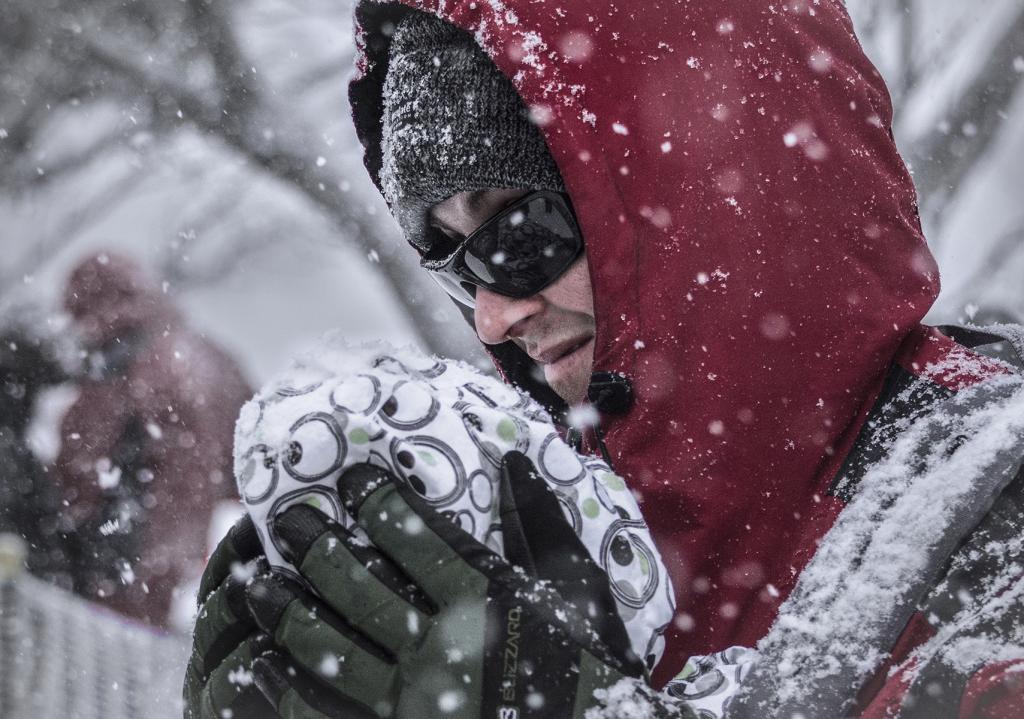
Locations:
{"points": [[358, 582], [230, 690], [532, 515], [538, 534], [453, 568], [240, 545], [442, 559], [296, 695], [321, 642], [223, 622], [519, 550]]}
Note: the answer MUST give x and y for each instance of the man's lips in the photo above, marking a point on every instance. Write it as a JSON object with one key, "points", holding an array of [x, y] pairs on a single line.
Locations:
{"points": [[562, 349]]}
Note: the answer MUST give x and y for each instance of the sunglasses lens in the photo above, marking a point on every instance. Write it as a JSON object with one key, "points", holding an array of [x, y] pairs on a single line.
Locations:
{"points": [[523, 251], [517, 253]]}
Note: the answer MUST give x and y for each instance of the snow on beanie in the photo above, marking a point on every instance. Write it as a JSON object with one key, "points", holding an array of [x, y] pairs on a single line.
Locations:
{"points": [[441, 427], [452, 122]]}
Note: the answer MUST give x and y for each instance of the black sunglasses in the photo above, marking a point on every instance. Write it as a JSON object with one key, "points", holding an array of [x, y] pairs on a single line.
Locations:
{"points": [[516, 253]]}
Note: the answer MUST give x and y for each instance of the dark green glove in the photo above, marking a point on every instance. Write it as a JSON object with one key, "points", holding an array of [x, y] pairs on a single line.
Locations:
{"points": [[218, 680], [428, 622]]}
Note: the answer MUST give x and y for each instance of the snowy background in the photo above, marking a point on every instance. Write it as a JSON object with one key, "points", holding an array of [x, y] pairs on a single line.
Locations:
{"points": [[212, 142]]}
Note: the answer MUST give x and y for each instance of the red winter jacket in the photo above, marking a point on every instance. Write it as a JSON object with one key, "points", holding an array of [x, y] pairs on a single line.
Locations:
{"points": [[756, 256], [161, 414]]}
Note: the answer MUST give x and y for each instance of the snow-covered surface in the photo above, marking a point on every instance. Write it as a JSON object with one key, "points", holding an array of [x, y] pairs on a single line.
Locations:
{"points": [[910, 511], [443, 427]]}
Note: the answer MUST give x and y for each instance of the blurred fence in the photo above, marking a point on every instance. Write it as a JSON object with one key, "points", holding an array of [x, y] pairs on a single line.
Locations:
{"points": [[64, 658]]}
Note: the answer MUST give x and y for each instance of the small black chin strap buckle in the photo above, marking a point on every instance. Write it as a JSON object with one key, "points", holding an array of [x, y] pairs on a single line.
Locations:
{"points": [[610, 392]]}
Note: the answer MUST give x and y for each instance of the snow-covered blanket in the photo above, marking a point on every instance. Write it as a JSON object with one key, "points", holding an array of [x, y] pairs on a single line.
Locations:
{"points": [[442, 427]]}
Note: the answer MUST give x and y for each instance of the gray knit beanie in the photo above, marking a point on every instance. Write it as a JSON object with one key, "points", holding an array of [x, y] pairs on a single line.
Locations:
{"points": [[452, 122]]}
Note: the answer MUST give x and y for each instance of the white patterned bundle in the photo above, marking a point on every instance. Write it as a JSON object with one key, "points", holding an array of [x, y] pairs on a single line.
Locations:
{"points": [[442, 427]]}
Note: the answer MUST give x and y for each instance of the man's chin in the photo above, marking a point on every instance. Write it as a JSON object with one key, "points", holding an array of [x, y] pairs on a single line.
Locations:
{"points": [[570, 376]]}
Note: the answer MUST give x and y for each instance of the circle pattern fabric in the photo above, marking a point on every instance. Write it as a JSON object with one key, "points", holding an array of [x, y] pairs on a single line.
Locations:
{"points": [[441, 427], [708, 683]]}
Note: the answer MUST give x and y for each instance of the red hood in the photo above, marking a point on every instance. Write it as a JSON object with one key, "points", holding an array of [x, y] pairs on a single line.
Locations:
{"points": [[109, 294], [754, 246]]}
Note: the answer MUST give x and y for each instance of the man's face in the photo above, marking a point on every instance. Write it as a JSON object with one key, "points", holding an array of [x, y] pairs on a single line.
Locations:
{"points": [[555, 326]]}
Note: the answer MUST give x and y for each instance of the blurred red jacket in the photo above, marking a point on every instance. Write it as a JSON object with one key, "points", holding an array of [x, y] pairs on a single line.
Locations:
{"points": [[146, 449]]}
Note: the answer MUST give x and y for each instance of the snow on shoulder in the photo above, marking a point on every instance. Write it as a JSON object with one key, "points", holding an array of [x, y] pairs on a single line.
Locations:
{"points": [[888, 548]]}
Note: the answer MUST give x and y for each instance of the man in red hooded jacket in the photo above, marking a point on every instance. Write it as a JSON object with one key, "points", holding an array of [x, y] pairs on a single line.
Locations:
{"points": [[744, 316]]}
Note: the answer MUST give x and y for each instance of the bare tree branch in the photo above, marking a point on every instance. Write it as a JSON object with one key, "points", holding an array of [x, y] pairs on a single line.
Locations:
{"points": [[872, 13], [51, 171], [22, 118], [331, 69], [185, 274], [211, 23], [908, 75], [176, 265], [283, 151], [111, 54], [943, 159]]}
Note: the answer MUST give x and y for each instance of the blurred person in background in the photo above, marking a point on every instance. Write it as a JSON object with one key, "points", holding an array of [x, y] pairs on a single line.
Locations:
{"points": [[146, 448], [29, 505]]}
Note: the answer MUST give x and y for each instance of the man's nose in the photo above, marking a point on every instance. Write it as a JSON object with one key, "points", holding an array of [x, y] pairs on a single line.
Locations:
{"points": [[499, 318]]}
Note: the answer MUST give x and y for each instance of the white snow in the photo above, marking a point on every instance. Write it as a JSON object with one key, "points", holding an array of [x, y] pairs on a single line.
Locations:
{"points": [[887, 537], [329, 666], [108, 475], [451, 700]]}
